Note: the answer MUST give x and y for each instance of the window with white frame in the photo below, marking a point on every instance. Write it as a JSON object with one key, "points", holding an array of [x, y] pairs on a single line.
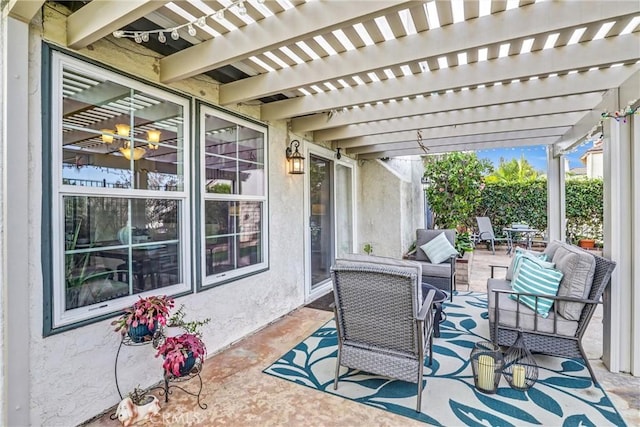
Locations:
{"points": [[120, 191], [234, 193]]}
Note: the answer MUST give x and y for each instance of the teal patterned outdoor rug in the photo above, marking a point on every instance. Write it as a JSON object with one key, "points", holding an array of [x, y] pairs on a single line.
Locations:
{"points": [[564, 394]]}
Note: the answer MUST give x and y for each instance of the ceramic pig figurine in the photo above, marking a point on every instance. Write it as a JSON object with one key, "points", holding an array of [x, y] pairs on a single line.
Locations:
{"points": [[129, 413]]}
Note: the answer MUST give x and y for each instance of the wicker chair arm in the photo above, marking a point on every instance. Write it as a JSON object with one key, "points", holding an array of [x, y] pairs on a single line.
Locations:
{"points": [[426, 305], [452, 261]]}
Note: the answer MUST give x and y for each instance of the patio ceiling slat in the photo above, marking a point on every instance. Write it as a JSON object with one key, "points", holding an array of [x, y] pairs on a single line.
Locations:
{"points": [[306, 20], [599, 52], [531, 90]]}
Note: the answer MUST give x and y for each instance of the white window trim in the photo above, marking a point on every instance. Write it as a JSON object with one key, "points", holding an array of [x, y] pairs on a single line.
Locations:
{"points": [[213, 280], [60, 317]]}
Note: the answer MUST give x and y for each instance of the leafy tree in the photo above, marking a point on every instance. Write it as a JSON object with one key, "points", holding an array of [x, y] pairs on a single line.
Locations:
{"points": [[513, 171], [454, 185]]}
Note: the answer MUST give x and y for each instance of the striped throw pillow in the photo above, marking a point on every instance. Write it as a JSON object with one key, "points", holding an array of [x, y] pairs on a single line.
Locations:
{"points": [[533, 278], [439, 249], [515, 262]]}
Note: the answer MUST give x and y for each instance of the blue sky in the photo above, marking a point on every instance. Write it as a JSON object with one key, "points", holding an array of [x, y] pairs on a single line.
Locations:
{"points": [[536, 155]]}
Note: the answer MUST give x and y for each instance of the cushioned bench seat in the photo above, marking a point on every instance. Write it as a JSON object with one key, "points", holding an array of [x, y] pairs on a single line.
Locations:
{"points": [[511, 310]]}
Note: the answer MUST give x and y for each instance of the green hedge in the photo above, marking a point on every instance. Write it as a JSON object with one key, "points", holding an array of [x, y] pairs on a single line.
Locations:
{"points": [[505, 203]]}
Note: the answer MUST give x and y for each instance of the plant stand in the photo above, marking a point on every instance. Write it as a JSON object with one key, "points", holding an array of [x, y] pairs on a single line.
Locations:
{"points": [[156, 341], [170, 381]]}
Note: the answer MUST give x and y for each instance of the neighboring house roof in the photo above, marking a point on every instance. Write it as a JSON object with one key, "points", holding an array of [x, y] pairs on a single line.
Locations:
{"points": [[578, 171]]}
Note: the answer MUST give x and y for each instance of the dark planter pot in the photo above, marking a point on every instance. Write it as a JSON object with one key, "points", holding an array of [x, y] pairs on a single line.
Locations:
{"points": [[141, 333], [189, 362]]}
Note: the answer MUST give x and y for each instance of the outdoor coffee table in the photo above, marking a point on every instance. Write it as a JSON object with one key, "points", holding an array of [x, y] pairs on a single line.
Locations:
{"points": [[438, 299]]}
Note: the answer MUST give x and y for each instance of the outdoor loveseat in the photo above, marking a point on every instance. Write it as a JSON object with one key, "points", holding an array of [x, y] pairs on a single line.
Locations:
{"points": [[584, 279]]}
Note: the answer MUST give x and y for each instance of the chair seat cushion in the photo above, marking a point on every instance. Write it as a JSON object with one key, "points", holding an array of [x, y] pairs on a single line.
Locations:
{"points": [[435, 270], [510, 311], [439, 249], [578, 268]]}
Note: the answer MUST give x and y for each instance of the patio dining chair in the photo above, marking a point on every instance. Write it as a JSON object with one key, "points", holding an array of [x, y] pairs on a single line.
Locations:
{"points": [[486, 234], [384, 326]]}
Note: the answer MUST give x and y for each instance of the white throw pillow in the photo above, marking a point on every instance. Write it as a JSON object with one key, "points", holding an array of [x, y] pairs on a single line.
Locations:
{"points": [[439, 249]]}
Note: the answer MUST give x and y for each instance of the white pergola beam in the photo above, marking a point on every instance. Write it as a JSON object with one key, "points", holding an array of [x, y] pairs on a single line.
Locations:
{"points": [[417, 151], [499, 126], [476, 33], [541, 63], [100, 18], [301, 22], [23, 10], [539, 107], [593, 81], [431, 143]]}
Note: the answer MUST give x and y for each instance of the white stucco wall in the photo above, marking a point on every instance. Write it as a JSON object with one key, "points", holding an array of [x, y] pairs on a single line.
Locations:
{"points": [[71, 374], [390, 205]]}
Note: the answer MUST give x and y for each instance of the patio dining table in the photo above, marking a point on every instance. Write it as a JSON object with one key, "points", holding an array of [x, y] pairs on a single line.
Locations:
{"points": [[517, 234]]}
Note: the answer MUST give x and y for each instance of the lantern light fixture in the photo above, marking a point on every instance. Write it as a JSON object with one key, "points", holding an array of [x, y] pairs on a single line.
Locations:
{"points": [[107, 136], [153, 136], [123, 130], [295, 159], [128, 152]]}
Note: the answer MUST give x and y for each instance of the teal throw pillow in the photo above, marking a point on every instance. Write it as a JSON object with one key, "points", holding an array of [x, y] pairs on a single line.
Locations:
{"points": [[439, 249], [519, 253], [532, 277]]}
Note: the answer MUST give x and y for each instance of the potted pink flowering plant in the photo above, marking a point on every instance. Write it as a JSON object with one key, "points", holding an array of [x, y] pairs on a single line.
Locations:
{"points": [[141, 320], [180, 353]]}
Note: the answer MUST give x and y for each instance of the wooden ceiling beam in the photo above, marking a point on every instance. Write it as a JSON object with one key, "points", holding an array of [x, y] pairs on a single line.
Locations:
{"points": [[99, 18]]}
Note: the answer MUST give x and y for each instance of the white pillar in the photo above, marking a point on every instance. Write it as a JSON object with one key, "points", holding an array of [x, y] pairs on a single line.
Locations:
{"points": [[635, 257], [15, 220], [555, 196], [621, 232]]}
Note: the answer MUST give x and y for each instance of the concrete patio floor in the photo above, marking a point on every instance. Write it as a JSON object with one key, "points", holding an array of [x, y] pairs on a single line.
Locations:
{"points": [[239, 394]]}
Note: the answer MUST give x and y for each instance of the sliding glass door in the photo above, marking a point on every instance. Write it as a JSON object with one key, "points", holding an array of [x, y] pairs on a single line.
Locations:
{"points": [[330, 225]]}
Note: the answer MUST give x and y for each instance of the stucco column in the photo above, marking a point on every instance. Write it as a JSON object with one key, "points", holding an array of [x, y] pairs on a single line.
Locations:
{"points": [[555, 196], [15, 220], [621, 194]]}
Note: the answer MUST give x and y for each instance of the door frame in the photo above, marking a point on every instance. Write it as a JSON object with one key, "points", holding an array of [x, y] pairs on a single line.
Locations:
{"points": [[316, 150]]}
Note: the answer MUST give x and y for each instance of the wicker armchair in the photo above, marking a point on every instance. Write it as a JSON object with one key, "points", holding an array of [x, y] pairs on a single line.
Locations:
{"points": [[554, 335], [383, 325]]}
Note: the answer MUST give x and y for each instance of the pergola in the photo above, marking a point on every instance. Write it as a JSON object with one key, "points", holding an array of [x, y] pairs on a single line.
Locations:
{"points": [[382, 79]]}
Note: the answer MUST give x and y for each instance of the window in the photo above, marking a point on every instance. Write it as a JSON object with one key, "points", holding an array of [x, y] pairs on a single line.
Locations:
{"points": [[120, 185], [234, 193]]}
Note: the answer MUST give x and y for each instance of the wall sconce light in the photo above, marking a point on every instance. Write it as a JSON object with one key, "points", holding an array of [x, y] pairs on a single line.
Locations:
{"points": [[107, 136], [153, 136], [296, 161], [123, 130], [135, 152], [338, 155]]}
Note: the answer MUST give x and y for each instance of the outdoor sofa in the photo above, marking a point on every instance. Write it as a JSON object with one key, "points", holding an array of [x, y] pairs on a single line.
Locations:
{"points": [[585, 276]]}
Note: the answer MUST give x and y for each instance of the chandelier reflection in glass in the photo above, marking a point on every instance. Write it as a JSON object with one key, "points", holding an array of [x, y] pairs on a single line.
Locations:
{"points": [[129, 152]]}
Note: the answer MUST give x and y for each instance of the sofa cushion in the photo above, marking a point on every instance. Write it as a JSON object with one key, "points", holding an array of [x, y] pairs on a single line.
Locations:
{"points": [[551, 248], [518, 256], [439, 249], [517, 315], [532, 277], [578, 268]]}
